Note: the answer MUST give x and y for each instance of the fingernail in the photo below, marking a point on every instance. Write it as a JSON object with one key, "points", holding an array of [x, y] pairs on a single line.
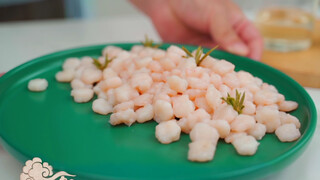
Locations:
{"points": [[238, 48]]}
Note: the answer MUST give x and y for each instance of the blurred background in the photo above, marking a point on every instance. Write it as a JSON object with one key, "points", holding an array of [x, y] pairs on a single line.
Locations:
{"points": [[24, 10], [291, 30]]}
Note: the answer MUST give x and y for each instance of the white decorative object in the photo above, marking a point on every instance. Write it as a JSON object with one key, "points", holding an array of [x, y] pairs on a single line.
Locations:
{"points": [[36, 170]]}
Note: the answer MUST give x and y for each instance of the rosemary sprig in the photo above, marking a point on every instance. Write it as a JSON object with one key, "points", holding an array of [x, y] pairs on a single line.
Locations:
{"points": [[150, 43], [102, 66], [198, 55], [236, 103]]}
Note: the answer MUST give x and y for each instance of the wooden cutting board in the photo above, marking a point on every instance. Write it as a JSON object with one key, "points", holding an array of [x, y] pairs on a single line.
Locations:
{"points": [[303, 66]]}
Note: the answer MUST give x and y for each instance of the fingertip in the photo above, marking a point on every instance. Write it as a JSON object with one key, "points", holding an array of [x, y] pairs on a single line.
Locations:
{"points": [[238, 48]]}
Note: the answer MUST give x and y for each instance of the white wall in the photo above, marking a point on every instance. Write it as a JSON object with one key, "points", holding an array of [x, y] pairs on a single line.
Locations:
{"points": [[107, 8]]}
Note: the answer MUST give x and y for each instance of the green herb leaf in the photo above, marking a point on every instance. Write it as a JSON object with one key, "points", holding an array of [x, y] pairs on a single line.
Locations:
{"points": [[198, 54], [149, 43], [207, 54], [102, 66], [236, 103], [189, 54]]}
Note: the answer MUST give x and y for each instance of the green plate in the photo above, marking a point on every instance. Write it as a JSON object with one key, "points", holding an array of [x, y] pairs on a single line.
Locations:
{"points": [[70, 137]]}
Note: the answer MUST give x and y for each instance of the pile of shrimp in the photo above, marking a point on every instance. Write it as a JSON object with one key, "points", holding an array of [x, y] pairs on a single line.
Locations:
{"points": [[167, 86]]}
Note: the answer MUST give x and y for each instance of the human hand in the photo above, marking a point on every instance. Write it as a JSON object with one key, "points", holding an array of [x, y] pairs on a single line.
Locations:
{"points": [[204, 22]]}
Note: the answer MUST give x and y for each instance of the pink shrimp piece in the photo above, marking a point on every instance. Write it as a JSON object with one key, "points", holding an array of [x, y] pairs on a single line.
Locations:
{"points": [[213, 97], [194, 93], [97, 89], [281, 98], [224, 90], [82, 95], [110, 83], [144, 62], [86, 61], [162, 111], [123, 106], [182, 106], [177, 84], [253, 88], [203, 131], [137, 48], [269, 87], [234, 135], [231, 80], [112, 51], [216, 80], [258, 131], [71, 63], [176, 50], [141, 81], [77, 84], [195, 117], [222, 67], [197, 72], [101, 106], [288, 118], [188, 123], [157, 77], [127, 117], [269, 117], [143, 99], [168, 131], [108, 73], [158, 54], [117, 65], [245, 145], [102, 95], [201, 151], [123, 55], [265, 97], [245, 78], [167, 64], [91, 75], [155, 66], [182, 122], [176, 72], [145, 113], [242, 123], [146, 52], [208, 62], [201, 102], [225, 112], [258, 81], [287, 133], [66, 75], [174, 57], [156, 88], [110, 96], [167, 90], [196, 83], [272, 106], [249, 108], [123, 93], [188, 63], [128, 70], [288, 106], [222, 126]]}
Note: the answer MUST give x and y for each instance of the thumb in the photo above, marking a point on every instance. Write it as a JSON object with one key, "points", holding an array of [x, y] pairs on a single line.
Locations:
{"points": [[221, 30]]}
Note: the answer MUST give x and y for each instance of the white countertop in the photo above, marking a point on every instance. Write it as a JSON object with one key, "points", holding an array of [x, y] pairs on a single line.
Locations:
{"points": [[20, 42]]}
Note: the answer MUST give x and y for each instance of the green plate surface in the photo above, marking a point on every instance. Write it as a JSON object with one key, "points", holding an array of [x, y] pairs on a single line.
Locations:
{"points": [[70, 137]]}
